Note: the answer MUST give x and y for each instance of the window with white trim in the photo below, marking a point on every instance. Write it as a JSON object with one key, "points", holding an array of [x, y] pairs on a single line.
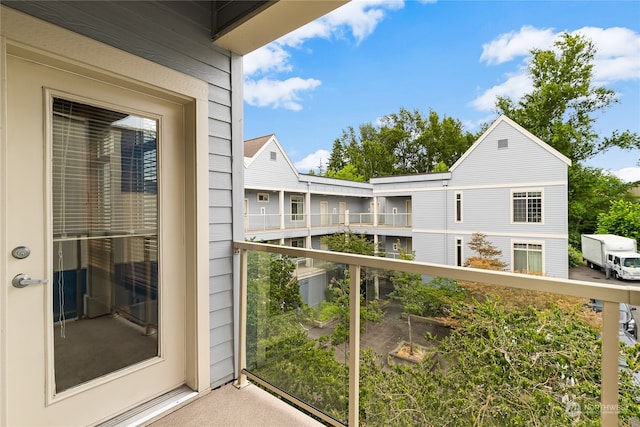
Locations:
{"points": [[527, 257], [263, 197], [272, 155], [527, 206], [297, 208], [458, 207], [459, 248]]}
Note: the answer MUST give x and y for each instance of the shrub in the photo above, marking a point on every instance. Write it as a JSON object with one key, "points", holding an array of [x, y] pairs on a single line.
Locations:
{"points": [[575, 257]]}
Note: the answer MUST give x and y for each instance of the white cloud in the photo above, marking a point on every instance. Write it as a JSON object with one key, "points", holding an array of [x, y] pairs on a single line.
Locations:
{"points": [[312, 161], [618, 50], [616, 59], [514, 87], [261, 67], [628, 174], [509, 46], [269, 58], [278, 93]]}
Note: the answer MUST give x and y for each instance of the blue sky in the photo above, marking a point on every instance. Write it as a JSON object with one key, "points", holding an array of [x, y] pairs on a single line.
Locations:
{"points": [[369, 58]]}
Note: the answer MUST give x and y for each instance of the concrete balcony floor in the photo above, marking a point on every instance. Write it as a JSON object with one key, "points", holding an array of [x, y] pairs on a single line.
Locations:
{"points": [[228, 406]]}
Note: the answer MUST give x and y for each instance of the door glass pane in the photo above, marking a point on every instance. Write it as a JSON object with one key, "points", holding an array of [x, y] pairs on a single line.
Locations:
{"points": [[105, 237]]}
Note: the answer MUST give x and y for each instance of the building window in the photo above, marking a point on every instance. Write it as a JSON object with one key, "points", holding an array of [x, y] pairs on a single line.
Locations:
{"points": [[527, 257], [458, 209], [298, 242], [263, 197], [297, 208], [503, 143], [527, 206], [459, 252], [272, 155]]}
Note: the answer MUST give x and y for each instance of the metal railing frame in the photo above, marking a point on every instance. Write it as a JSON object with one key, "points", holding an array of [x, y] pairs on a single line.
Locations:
{"points": [[611, 295]]}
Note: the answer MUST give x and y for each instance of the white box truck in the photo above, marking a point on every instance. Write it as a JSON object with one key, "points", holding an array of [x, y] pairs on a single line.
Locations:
{"points": [[616, 255]]}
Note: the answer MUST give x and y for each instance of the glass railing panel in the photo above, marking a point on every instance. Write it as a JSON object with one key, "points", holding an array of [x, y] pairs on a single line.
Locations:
{"points": [[257, 222], [448, 353], [296, 329], [398, 219]]}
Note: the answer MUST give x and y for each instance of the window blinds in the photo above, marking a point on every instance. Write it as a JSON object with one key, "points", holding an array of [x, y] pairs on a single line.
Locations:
{"points": [[104, 172]]}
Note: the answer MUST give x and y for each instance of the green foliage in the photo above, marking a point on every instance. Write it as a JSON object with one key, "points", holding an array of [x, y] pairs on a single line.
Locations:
{"points": [[310, 372], [515, 368], [575, 257], [352, 243], [404, 143], [326, 311], [348, 172], [428, 299], [560, 110], [284, 289], [418, 298], [591, 192], [339, 295], [622, 219]]}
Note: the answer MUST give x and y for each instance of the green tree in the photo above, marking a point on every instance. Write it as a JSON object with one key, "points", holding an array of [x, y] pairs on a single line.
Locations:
{"points": [[284, 289], [404, 143], [623, 219], [351, 243], [591, 193], [338, 289], [499, 368], [349, 172], [561, 110], [419, 298]]}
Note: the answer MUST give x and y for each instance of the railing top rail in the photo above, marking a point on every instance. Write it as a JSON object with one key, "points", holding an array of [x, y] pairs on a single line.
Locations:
{"points": [[629, 294]]}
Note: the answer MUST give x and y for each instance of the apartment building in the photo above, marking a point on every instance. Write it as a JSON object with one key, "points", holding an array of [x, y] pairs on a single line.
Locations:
{"points": [[509, 185]]}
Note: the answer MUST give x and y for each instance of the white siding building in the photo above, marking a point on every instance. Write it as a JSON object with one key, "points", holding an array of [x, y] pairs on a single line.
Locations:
{"points": [[509, 185]]}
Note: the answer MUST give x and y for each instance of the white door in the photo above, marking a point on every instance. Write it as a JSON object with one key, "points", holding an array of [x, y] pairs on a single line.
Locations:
{"points": [[342, 210], [94, 176], [324, 213]]}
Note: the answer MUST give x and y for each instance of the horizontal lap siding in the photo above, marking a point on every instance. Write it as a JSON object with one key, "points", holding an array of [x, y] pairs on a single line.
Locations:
{"points": [[177, 35], [272, 174], [524, 161], [486, 179]]}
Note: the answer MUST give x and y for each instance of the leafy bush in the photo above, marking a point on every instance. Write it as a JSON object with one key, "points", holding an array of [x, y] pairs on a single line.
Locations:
{"points": [[575, 257], [500, 368], [427, 299], [327, 311]]}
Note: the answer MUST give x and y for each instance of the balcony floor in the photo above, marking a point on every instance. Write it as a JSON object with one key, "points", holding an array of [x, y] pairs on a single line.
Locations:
{"points": [[228, 406]]}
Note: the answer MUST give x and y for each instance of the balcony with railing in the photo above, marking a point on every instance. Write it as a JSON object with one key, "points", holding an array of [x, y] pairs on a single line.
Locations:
{"points": [[495, 348], [255, 223]]}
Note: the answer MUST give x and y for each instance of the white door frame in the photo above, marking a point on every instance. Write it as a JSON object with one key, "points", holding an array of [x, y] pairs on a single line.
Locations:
{"points": [[32, 39]]}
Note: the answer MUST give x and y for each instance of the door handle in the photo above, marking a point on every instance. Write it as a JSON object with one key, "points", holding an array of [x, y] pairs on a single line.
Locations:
{"points": [[22, 280]]}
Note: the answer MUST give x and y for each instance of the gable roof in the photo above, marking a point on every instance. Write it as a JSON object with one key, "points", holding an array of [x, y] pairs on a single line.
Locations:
{"points": [[254, 147], [516, 126]]}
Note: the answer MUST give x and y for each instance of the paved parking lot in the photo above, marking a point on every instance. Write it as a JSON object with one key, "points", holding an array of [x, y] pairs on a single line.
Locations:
{"points": [[590, 275]]}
